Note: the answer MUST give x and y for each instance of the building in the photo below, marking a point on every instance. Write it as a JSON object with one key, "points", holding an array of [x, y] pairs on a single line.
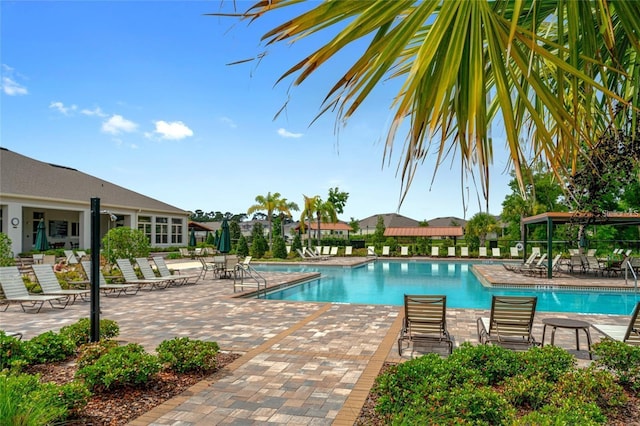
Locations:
{"points": [[390, 220], [32, 190]]}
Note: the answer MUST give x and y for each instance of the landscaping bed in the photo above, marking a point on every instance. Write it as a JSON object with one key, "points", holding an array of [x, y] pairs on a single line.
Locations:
{"points": [[122, 405]]}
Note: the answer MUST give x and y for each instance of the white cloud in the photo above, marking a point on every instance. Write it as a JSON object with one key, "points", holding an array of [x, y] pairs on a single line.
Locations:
{"points": [[9, 84], [287, 134], [97, 112], [59, 106], [175, 130], [118, 124], [229, 122]]}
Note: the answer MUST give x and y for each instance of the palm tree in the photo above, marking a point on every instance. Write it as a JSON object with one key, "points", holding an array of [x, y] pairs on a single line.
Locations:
{"points": [[552, 73], [324, 212], [272, 203]]}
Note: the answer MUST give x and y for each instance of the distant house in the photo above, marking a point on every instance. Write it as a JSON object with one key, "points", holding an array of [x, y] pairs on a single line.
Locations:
{"points": [[338, 229], [447, 221], [390, 220], [32, 190], [426, 231]]}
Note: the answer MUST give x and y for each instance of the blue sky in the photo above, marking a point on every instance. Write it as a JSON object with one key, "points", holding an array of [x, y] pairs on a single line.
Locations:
{"points": [[142, 94]]}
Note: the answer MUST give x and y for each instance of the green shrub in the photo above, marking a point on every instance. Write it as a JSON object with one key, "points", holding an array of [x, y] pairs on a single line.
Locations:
{"points": [[10, 350], [90, 352], [279, 247], [549, 361], [182, 354], [73, 395], [6, 255], [531, 391], [591, 385], [568, 412], [121, 366], [125, 243], [622, 360], [174, 255], [80, 332], [48, 347], [26, 401], [492, 361]]}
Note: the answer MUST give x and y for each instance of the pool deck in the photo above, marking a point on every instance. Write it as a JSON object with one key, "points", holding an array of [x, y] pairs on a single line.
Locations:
{"points": [[302, 363]]}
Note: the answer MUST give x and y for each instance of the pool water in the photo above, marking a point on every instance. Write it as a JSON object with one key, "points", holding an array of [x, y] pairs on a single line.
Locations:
{"points": [[385, 283]]}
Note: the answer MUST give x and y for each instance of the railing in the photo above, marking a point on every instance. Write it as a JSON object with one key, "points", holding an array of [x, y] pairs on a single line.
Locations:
{"points": [[246, 271], [629, 266]]}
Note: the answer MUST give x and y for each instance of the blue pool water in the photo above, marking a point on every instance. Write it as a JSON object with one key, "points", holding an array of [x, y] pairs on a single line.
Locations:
{"points": [[385, 282]]}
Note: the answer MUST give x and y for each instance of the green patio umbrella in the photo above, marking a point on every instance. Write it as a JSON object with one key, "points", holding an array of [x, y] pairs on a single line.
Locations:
{"points": [[192, 238], [224, 244], [42, 244]]}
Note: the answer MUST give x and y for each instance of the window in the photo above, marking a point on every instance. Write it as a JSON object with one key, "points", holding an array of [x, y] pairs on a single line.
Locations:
{"points": [[144, 225], [75, 229], [162, 230], [176, 231]]}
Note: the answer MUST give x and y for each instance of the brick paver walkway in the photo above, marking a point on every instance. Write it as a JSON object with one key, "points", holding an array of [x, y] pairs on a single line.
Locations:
{"points": [[302, 363]]}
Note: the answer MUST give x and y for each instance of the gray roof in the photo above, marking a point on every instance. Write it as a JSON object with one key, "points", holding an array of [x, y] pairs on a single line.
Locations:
{"points": [[447, 221], [391, 220], [26, 177]]}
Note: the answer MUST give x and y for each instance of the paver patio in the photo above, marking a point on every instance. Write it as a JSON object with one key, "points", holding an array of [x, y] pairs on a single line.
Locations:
{"points": [[303, 363]]}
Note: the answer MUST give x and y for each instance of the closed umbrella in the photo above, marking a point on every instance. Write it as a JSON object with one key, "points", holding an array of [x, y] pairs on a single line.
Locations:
{"points": [[42, 244], [192, 238], [224, 244]]}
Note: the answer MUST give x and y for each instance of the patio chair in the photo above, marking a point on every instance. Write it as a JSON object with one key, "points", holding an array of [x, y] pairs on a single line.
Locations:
{"points": [[16, 292], [541, 268], [130, 276], [524, 268], [106, 288], [425, 319], [510, 321], [326, 250], [404, 251], [464, 251], [180, 278], [513, 252], [50, 285], [81, 254], [149, 274], [592, 264], [517, 267], [385, 250], [348, 250], [623, 333], [575, 264], [333, 251], [495, 252], [536, 250], [482, 252], [435, 251], [451, 251], [371, 251], [71, 257]]}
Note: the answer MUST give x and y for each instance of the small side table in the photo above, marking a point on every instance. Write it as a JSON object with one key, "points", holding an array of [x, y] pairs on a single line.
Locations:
{"points": [[576, 325]]}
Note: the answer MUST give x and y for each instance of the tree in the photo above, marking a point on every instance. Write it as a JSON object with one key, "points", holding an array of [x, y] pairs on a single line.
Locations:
{"points": [[354, 224], [307, 215], [124, 243], [323, 211], [234, 231], [242, 249], [378, 235], [258, 243], [478, 227], [6, 256], [279, 249], [548, 72], [271, 203], [338, 199]]}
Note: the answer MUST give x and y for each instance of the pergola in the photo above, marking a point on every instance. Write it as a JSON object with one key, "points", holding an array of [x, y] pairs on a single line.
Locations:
{"points": [[551, 218]]}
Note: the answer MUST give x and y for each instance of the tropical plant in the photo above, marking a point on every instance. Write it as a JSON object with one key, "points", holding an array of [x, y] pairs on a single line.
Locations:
{"points": [[125, 243], [338, 199], [478, 227], [272, 203], [6, 256], [552, 73]]}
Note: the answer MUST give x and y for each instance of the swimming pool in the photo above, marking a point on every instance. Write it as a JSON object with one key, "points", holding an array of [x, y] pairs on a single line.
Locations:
{"points": [[385, 282]]}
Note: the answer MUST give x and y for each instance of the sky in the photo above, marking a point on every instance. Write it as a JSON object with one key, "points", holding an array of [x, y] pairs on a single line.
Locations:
{"points": [[158, 97]]}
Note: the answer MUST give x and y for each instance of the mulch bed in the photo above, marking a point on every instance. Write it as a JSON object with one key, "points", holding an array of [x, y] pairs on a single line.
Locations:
{"points": [[120, 406]]}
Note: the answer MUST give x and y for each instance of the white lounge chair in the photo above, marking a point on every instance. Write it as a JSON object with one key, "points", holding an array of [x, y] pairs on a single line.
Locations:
{"points": [[16, 292], [464, 251], [326, 250], [451, 251], [435, 251], [333, 251], [71, 257], [495, 252], [348, 250], [180, 278], [130, 276], [149, 274], [513, 252], [371, 251], [404, 251], [385, 250], [106, 288], [50, 285], [482, 252], [623, 333]]}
